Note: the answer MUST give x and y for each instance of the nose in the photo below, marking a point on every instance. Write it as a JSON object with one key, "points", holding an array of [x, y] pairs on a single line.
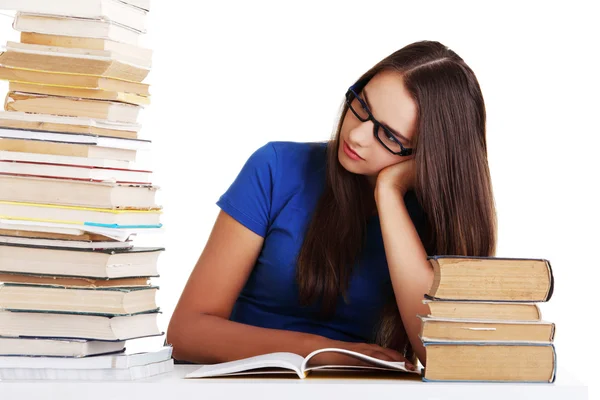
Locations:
{"points": [[361, 135]]}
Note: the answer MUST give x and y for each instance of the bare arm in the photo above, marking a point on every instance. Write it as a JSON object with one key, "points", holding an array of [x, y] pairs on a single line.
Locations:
{"points": [[410, 272], [200, 330]]}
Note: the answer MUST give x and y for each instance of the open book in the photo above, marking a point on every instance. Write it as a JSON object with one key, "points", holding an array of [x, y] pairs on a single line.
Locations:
{"points": [[281, 363]]}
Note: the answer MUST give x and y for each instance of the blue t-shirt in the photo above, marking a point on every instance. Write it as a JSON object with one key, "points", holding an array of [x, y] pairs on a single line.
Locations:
{"points": [[274, 195]]}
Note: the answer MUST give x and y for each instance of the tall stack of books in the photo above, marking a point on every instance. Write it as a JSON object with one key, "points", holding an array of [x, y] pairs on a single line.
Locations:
{"points": [[74, 287], [484, 322]]}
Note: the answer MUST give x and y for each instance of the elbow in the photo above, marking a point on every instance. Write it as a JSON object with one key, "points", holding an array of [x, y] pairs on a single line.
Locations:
{"points": [[177, 338], [174, 337], [187, 339]]}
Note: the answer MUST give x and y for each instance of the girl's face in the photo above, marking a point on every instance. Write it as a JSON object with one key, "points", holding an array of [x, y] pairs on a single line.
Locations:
{"points": [[388, 101]]}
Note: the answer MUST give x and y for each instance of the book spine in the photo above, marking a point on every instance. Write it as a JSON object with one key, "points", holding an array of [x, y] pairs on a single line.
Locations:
{"points": [[551, 276]]}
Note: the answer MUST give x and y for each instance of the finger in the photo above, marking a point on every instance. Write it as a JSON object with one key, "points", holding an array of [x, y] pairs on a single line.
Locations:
{"points": [[396, 356], [393, 354], [382, 356], [350, 360]]}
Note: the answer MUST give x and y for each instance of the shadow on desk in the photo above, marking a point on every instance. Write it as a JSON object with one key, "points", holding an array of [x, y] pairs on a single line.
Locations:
{"points": [[181, 362], [374, 375]]}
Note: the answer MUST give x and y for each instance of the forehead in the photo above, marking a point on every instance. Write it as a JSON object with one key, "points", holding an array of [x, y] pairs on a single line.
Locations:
{"points": [[391, 103]]}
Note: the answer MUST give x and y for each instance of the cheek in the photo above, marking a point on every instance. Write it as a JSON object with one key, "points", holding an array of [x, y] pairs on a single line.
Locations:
{"points": [[383, 160], [347, 125]]}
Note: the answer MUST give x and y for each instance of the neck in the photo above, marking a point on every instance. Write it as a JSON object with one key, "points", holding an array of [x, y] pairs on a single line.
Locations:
{"points": [[372, 179], [370, 188]]}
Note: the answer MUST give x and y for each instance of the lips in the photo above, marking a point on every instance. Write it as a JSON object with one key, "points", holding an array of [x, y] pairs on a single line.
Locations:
{"points": [[351, 153]]}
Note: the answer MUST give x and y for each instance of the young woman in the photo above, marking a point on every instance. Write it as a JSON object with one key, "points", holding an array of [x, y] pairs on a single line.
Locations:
{"points": [[326, 244]]}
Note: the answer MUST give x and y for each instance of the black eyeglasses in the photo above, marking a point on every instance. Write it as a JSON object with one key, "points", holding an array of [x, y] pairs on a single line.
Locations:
{"points": [[382, 133]]}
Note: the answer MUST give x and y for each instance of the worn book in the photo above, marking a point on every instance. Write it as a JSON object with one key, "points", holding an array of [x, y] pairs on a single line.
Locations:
{"points": [[71, 107], [112, 233], [290, 363], [108, 361], [65, 148], [24, 75], [8, 155], [491, 279], [66, 60], [17, 237], [111, 301], [448, 329], [78, 326], [116, 218], [63, 124], [485, 310], [120, 12], [97, 368], [107, 142], [75, 172], [61, 239], [83, 94], [74, 262], [72, 281], [143, 4], [75, 27], [77, 193], [88, 43], [490, 362], [38, 347]]}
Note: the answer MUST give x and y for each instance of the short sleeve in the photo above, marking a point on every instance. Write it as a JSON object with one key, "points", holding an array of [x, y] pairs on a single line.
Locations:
{"points": [[248, 199]]}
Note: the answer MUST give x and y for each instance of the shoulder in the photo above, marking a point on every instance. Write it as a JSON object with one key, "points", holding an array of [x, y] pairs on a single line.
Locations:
{"points": [[298, 152], [299, 175], [290, 152], [300, 161], [291, 160], [273, 175]]}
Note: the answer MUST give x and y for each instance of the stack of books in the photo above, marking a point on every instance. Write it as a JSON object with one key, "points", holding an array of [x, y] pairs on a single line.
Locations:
{"points": [[74, 287], [484, 322]]}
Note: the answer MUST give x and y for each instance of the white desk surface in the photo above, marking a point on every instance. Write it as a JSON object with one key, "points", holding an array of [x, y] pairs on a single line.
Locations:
{"points": [[172, 386]]}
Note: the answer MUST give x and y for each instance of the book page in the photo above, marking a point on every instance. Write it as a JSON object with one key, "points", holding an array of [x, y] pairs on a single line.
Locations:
{"points": [[376, 364], [289, 361]]}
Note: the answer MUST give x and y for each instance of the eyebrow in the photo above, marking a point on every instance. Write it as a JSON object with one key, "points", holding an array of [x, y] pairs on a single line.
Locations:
{"points": [[395, 132]]}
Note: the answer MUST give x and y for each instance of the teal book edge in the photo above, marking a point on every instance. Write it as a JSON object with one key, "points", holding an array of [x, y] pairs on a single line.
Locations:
{"points": [[98, 340], [132, 250], [96, 278], [124, 289], [105, 315], [117, 226]]}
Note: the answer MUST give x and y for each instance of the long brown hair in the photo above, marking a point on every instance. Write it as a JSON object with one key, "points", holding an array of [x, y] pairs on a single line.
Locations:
{"points": [[453, 184]]}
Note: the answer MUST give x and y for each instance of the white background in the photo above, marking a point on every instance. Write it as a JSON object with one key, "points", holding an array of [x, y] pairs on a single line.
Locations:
{"points": [[229, 76]]}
